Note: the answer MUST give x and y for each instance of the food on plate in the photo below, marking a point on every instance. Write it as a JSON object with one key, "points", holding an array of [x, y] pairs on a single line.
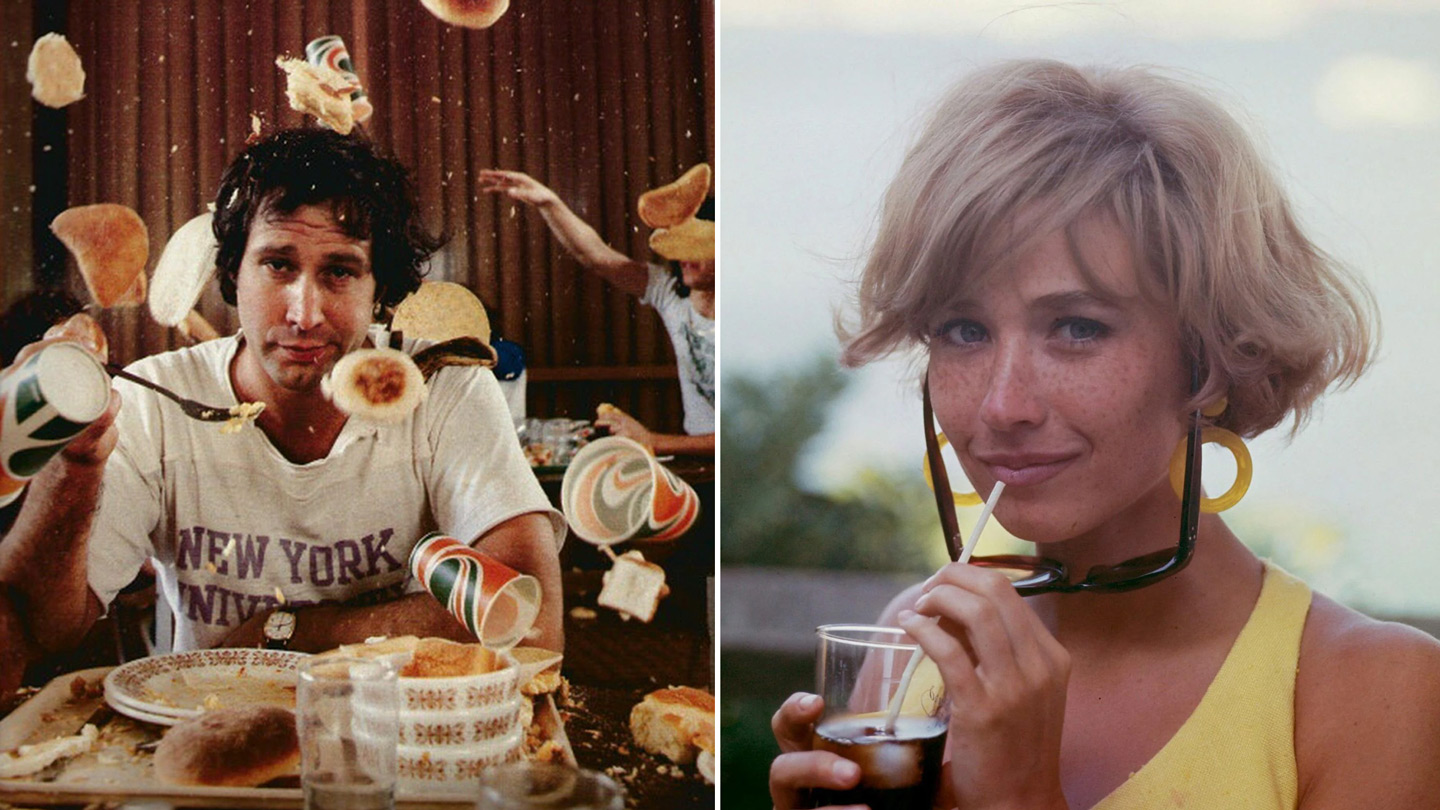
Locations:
{"points": [[676, 723], [377, 647], [83, 329], [242, 415], [633, 587], [378, 385], [468, 13], [110, 245], [539, 670], [239, 747], [28, 759], [320, 91], [54, 71], [673, 203], [690, 241], [442, 658], [185, 267], [705, 763]]}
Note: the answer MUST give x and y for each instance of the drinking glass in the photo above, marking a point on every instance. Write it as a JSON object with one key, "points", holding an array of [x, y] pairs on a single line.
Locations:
{"points": [[346, 710], [859, 671]]}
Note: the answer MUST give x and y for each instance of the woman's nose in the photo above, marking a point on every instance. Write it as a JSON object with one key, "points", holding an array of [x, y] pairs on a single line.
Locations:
{"points": [[1012, 397]]}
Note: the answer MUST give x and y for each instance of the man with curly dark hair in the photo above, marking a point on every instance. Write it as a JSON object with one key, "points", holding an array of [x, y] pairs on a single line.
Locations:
{"points": [[296, 533]]}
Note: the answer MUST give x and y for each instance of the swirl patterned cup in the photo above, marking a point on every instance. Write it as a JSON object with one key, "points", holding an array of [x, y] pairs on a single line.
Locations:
{"points": [[496, 603], [44, 403], [615, 490]]}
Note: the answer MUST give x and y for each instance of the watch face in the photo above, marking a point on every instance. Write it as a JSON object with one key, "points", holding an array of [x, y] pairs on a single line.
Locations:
{"points": [[280, 625]]}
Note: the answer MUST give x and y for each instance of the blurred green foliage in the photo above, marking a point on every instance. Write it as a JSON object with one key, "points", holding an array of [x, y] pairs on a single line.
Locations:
{"points": [[879, 520]]}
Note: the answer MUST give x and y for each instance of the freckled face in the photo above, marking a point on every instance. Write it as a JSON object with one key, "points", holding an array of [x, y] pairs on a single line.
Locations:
{"points": [[1069, 394], [304, 295]]}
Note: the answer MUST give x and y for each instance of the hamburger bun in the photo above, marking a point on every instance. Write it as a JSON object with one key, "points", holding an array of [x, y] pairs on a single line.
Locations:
{"points": [[54, 71], [468, 13], [240, 747], [691, 241], [672, 722], [185, 267], [377, 385], [441, 311], [673, 203], [110, 245], [319, 91]]}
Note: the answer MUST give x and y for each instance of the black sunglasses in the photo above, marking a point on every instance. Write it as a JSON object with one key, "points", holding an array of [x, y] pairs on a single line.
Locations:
{"points": [[1035, 575]]}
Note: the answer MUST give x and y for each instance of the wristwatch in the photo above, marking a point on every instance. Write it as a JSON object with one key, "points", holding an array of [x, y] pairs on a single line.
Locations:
{"points": [[279, 627]]}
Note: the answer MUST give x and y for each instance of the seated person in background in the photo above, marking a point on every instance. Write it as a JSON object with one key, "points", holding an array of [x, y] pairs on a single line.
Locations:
{"points": [[307, 520], [684, 298]]}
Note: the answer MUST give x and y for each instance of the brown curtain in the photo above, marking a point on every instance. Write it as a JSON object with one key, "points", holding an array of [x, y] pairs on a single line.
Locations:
{"points": [[600, 99]]}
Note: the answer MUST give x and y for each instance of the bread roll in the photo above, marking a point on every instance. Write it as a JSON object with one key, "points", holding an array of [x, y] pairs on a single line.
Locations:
{"points": [[83, 329], [319, 91], [240, 747], [673, 203], [377, 385], [54, 71], [110, 245], [670, 721], [691, 241], [186, 265], [468, 13]]}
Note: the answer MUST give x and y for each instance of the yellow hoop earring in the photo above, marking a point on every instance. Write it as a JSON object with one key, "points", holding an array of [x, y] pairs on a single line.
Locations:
{"points": [[1244, 469], [961, 498]]}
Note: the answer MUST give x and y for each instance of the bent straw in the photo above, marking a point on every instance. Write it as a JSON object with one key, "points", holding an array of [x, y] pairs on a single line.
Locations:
{"points": [[919, 655]]}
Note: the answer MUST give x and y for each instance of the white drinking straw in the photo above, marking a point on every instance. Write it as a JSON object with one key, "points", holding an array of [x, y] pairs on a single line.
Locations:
{"points": [[919, 655]]}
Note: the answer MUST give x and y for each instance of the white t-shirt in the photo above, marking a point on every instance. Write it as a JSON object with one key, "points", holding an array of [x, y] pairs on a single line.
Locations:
{"points": [[233, 525], [693, 337]]}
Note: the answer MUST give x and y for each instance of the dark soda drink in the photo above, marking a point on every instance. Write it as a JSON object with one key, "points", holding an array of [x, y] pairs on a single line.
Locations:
{"points": [[899, 770]]}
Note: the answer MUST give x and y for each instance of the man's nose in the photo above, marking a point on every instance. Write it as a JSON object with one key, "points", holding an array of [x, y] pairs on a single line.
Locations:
{"points": [[305, 307], [1012, 396]]}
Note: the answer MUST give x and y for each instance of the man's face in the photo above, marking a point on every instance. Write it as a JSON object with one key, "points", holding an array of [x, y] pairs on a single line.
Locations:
{"points": [[698, 275], [305, 295]]}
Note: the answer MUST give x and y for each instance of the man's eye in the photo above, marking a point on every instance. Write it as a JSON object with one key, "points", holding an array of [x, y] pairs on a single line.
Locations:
{"points": [[962, 332]]}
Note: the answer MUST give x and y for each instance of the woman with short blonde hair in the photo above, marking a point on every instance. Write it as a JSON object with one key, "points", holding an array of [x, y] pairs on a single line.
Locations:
{"points": [[1099, 272]]}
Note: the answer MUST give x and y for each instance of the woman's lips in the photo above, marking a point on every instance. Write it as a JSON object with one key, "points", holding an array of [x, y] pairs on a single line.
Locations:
{"points": [[1026, 473]]}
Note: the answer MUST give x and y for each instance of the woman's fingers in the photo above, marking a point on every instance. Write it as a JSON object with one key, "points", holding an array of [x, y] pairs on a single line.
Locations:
{"points": [[980, 620], [999, 606], [793, 722], [792, 775]]}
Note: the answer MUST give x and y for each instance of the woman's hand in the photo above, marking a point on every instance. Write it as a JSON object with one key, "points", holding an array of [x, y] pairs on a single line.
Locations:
{"points": [[798, 769], [517, 186], [1005, 676]]}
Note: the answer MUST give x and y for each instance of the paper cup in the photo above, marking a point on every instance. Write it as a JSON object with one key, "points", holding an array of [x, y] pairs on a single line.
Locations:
{"points": [[496, 603], [615, 490], [44, 403]]}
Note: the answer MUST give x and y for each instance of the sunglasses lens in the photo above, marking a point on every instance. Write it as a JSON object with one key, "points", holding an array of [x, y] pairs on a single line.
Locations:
{"points": [[1130, 569]]}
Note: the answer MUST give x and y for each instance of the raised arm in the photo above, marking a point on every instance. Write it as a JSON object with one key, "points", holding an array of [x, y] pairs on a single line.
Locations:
{"points": [[43, 556], [574, 234]]}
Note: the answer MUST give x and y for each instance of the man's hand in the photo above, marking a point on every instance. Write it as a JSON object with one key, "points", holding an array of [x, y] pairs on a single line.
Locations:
{"points": [[623, 424], [517, 186]]}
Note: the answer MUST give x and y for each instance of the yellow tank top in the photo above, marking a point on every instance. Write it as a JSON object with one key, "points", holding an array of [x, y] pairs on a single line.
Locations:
{"points": [[1237, 749]]}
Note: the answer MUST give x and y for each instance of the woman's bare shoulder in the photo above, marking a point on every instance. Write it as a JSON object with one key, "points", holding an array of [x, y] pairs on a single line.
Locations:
{"points": [[1367, 704]]}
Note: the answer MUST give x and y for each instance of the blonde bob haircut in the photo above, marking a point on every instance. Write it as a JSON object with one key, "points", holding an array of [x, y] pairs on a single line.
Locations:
{"points": [[1023, 149]]}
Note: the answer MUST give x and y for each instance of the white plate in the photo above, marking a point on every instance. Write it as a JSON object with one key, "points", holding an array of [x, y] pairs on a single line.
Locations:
{"points": [[177, 685]]}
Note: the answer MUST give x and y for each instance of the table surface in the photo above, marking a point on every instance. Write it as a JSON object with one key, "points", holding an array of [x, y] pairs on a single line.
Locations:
{"points": [[611, 664]]}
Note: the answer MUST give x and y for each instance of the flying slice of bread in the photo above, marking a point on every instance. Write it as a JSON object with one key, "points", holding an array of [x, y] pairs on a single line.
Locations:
{"points": [[673, 203], [670, 721], [691, 241], [110, 245], [633, 587], [185, 267], [319, 91], [468, 13], [54, 71]]}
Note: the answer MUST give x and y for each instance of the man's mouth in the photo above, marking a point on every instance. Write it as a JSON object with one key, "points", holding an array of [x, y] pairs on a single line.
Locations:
{"points": [[304, 353]]}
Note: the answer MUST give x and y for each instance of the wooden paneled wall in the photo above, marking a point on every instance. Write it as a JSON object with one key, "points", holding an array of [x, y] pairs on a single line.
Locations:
{"points": [[600, 99]]}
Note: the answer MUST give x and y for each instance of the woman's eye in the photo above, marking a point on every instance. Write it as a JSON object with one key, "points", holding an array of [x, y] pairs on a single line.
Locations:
{"points": [[1080, 330], [963, 332]]}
